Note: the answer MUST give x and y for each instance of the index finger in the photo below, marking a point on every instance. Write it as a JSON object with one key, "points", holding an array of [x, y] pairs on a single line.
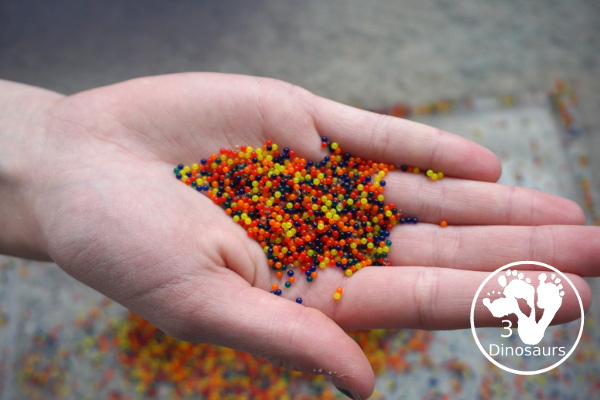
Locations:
{"points": [[398, 141]]}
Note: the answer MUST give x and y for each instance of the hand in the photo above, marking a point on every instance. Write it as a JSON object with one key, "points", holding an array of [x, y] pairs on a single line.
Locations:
{"points": [[97, 196]]}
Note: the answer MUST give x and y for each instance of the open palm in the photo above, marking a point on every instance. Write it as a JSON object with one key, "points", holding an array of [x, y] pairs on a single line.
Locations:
{"points": [[114, 217]]}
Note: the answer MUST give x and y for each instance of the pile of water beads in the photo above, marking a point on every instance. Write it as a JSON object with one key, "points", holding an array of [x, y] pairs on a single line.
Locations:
{"points": [[305, 215]]}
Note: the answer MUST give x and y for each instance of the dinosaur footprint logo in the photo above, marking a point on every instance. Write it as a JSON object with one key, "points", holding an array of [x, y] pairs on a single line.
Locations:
{"points": [[515, 286], [533, 299]]}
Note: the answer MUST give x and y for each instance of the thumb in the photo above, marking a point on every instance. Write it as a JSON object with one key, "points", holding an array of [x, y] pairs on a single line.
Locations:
{"points": [[286, 334]]}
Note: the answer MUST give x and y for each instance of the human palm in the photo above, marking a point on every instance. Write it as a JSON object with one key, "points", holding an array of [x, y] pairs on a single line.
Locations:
{"points": [[114, 217]]}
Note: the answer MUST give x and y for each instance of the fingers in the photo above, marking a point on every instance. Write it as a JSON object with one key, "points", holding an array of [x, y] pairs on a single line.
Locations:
{"points": [[464, 202], [398, 141], [568, 248], [429, 298], [574, 249], [231, 313]]}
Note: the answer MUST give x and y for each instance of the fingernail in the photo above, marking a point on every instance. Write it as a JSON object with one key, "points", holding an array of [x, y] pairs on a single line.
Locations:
{"points": [[346, 393], [340, 384]]}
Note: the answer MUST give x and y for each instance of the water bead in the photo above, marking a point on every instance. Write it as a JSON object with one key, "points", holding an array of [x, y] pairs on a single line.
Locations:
{"points": [[305, 215]]}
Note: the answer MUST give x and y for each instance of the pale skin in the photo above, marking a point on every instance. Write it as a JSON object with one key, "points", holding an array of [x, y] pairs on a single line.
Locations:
{"points": [[87, 182]]}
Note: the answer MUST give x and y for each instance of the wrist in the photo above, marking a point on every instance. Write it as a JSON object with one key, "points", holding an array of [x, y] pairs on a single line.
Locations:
{"points": [[24, 114]]}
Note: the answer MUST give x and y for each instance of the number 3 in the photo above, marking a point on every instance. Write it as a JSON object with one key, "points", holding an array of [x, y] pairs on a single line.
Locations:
{"points": [[507, 328]]}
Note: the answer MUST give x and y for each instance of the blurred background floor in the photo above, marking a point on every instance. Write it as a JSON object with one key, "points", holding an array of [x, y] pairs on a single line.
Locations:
{"points": [[365, 53], [371, 54]]}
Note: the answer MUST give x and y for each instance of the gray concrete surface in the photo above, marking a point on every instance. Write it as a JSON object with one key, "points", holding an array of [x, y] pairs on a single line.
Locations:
{"points": [[370, 53]]}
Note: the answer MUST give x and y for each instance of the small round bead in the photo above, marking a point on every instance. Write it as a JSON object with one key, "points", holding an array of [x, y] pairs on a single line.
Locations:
{"points": [[337, 296], [443, 223], [299, 300], [290, 273]]}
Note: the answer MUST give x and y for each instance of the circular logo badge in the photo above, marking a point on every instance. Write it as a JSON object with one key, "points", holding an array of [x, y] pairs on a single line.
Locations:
{"points": [[524, 296]]}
